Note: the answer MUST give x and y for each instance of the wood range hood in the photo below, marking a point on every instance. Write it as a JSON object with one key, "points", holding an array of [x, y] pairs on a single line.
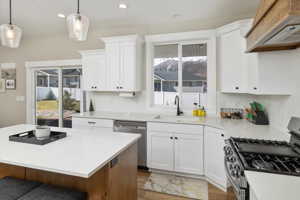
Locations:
{"points": [[276, 26]]}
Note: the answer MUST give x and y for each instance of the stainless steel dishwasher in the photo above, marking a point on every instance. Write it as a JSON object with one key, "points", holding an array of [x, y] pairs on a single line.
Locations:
{"points": [[135, 127]]}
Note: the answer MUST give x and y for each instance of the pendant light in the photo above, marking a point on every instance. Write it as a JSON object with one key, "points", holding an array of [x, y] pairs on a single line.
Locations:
{"points": [[10, 34], [78, 25]]}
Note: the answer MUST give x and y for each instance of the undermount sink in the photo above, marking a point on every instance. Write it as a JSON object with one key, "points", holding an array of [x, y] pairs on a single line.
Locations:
{"points": [[178, 118]]}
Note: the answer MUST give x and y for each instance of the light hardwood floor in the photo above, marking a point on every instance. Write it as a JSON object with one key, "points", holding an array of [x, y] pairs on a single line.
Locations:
{"points": [[213, 192]]}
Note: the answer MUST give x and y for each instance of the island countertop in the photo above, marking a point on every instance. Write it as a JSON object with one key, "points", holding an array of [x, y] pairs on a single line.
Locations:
{"points": [[81, 153]]}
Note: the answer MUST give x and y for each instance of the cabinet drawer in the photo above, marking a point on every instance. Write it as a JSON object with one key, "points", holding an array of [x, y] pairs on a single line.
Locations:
{"points": [[175, 128], [89, 122]]}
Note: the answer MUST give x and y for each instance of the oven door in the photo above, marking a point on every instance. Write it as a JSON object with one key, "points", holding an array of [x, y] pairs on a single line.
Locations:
{"points": [[241, 193]]}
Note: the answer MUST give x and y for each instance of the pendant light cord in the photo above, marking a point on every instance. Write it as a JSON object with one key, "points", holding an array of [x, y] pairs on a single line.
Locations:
{"points": [[78, 5], [10, 21]]}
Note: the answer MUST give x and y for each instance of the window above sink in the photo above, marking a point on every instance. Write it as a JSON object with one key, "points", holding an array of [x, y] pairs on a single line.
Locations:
{"points": [[181, 65]]}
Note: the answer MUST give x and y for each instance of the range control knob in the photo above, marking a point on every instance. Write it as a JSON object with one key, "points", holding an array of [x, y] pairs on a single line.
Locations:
{"points": [[228, 150], [237, 173], [231, 159], [237, 167]]}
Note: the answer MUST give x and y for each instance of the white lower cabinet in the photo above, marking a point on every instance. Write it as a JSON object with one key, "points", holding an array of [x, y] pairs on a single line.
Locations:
{"points": [[173, 149], [214, 156], [188, 153], [161, 152]]}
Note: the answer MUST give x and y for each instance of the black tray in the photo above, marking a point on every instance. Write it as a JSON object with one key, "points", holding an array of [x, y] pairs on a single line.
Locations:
{"points": [[31, 139]]}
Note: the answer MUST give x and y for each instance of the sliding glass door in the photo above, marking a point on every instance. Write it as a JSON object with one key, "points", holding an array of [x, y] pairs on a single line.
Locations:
{"points": [[71, 94], [58, 95]]}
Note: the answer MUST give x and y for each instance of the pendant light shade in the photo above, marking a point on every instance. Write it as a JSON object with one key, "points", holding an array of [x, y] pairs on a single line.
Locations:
{"points": [[10, 34], [78, 26]]}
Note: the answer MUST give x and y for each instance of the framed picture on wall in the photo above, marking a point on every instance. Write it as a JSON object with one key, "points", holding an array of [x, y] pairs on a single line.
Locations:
{"points": [[8, 73], [10, 84], [2, 85]]}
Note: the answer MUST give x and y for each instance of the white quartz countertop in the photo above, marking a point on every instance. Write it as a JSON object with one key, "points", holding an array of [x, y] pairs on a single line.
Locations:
{"points": [[232, 128], [81, 153], [268, 186]]}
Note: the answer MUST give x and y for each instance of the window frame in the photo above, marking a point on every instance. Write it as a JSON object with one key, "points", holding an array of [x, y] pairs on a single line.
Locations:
{"points": [[197, 37]]}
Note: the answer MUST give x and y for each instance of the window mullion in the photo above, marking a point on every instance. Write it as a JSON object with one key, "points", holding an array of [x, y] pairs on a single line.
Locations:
{"points": [[60, 97], [180, 72]]}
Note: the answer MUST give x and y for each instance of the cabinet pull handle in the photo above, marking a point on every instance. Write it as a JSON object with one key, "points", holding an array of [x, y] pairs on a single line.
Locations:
{"points": [[91, 122]]}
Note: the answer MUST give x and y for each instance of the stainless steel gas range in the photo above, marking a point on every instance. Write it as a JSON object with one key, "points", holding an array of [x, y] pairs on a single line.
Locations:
{"points": [[268, 156]]}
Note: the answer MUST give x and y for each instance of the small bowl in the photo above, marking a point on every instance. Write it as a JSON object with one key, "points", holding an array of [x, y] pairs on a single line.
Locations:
{"points": [[42, 132]]}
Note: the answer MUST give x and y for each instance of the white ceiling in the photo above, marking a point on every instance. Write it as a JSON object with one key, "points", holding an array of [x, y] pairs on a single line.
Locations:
{"points": [[39, 17]]}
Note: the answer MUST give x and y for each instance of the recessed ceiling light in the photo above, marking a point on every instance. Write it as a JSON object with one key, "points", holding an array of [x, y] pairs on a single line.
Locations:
{"points": [[60, 15], [123, 5]]}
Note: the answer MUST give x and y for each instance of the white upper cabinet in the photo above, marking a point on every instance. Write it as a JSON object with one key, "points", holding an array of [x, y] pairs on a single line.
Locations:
{"points": [[252, 73], [94, 70], [112, 52], [269, 74], [232, 59], [124, 63]]}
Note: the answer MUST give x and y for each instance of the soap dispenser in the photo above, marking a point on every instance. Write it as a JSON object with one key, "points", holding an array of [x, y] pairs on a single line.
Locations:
{"points": [[195, 110]]}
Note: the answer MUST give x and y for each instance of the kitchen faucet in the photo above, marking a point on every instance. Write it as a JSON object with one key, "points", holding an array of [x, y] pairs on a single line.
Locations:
{"points": [[179, 112]]}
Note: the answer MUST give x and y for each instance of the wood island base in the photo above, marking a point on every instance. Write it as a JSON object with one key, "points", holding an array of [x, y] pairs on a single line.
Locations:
{"points": [[116, 180]]}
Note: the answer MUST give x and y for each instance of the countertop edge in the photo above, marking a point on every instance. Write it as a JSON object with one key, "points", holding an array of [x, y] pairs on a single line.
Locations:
{"points": [[151, 120]]}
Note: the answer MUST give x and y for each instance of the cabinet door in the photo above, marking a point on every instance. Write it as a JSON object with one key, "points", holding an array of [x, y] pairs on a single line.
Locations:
{"points": [[127, 66], [160, 151], [112, 51], [232, 62], [252, 64], [94, 72], [189, 153], [214, 156]]}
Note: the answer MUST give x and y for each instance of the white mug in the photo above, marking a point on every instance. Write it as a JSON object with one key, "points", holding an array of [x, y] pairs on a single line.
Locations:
{"points": [[42, 132]]}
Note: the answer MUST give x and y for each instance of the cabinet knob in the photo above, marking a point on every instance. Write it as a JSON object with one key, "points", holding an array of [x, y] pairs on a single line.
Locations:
{"points": [[121, 87], [222, 135], [118, 87], [255, 88], [171, 138], [176, 138], [237, 88]]}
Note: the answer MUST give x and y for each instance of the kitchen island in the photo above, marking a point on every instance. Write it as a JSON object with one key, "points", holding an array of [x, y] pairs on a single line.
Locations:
{"points": [[101, 163]]}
